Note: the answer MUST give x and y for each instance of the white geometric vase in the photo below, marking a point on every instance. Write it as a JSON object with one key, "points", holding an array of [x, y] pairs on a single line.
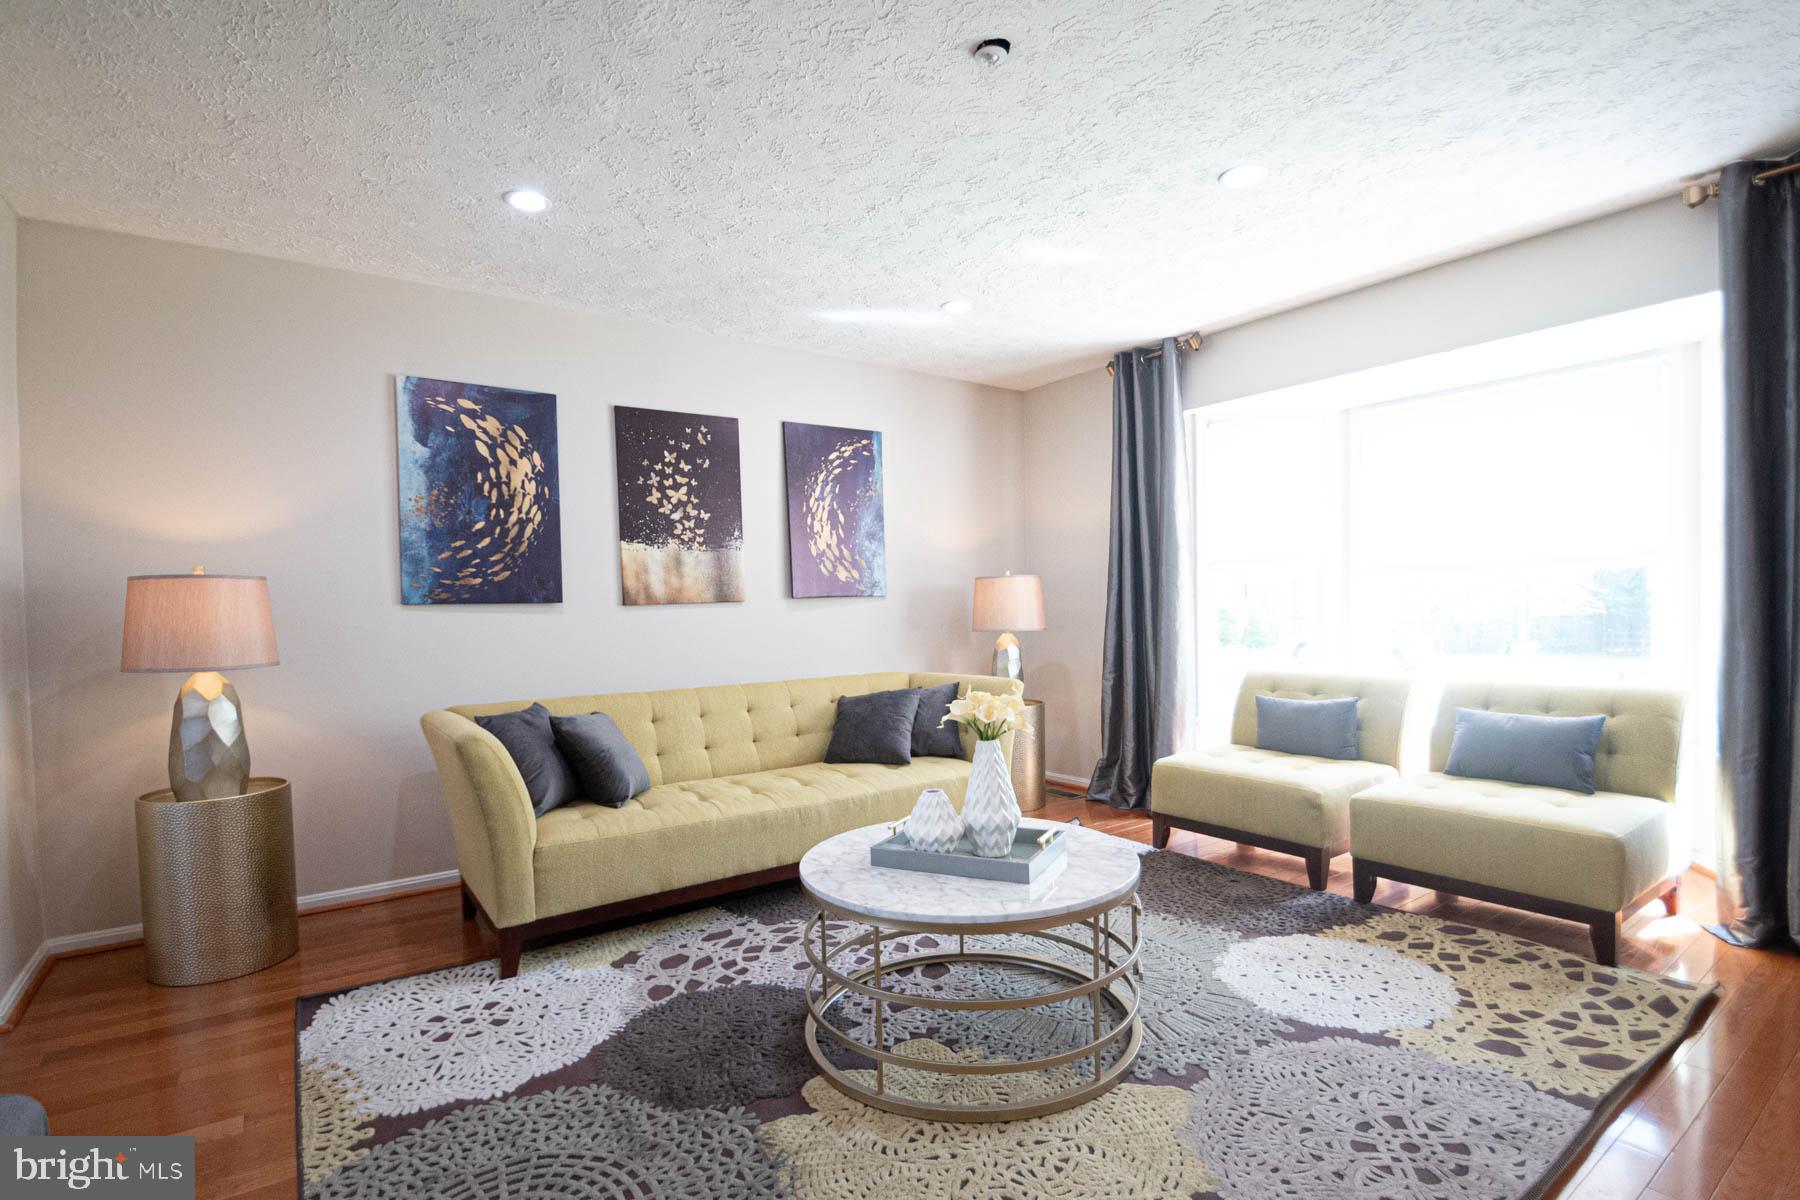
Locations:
{"points": [[990, 809], [934, 826]]}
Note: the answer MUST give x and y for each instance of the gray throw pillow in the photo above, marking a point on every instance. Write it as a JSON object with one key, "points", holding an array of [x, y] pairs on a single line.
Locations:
{"points": [[527, 736], [21, 1116], [931, 738], [606, 764], [1320, 728], [874, 728], [1553, 752]]}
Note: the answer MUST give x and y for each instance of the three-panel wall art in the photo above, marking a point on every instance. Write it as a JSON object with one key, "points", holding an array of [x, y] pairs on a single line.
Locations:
{"points": [[481, 503]]}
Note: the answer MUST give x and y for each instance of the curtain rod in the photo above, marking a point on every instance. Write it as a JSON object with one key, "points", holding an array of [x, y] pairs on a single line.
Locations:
{"points": [[1696, 194], [1187, 341]]}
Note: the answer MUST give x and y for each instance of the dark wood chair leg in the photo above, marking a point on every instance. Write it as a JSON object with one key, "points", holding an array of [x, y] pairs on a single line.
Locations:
{"points": [[1362, 881], [1605, 932], [1672, 899], [1159, 831], [468, 899], [1318, 869], [512, 944]]}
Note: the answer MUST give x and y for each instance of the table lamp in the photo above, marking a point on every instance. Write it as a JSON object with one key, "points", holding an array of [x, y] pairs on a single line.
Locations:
{"points": [[1004, 603], [204, 624]]}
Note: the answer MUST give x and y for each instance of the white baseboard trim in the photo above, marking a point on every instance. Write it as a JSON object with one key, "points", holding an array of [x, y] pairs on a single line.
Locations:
{"points": [[377, 891], [1074, 781], [75, 943], [15, 991]]}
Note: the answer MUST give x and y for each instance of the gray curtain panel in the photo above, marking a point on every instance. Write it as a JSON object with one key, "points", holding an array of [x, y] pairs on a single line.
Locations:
{"points": [[1147, 669], [1759, 854]]}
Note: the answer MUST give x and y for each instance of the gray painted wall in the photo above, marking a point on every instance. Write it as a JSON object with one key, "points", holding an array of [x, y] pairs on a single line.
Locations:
{"points": [[21, 915], [182, 406]]}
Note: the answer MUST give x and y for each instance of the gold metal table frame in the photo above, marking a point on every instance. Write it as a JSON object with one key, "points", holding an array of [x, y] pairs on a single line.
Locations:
{"points": [[1112, 978]]}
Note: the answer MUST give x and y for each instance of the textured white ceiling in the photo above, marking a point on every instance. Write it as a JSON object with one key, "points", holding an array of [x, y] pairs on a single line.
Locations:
{"points": [[742, 165]]}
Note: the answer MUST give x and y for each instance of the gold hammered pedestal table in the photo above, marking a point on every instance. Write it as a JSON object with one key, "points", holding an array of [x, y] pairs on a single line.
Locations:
{"points": [[1087, 905], [217, 882]]}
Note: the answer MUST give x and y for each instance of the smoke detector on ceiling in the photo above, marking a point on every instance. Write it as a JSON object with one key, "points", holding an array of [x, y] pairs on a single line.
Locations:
{"points": [[993, 51]]}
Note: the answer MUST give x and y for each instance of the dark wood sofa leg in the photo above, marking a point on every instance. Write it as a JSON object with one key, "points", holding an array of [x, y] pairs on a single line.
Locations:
{"points": [[468, 899], [1672, 899], [1362, 881], [512, 944], [1159, 831], [1318, 869], [1604, 929]]}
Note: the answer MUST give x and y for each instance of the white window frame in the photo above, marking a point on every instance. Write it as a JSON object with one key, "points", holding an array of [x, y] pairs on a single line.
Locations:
{"points": [[1689, 327]]}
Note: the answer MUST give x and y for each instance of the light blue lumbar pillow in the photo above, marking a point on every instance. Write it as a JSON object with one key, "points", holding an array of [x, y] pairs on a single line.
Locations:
{"points": [[1321, 728], [1553, 752]]}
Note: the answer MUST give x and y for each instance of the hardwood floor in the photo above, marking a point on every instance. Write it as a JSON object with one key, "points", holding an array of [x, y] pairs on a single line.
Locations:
{"points": [[107, 1052]]}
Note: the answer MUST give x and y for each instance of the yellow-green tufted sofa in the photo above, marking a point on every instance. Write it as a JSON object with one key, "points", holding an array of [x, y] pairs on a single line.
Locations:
{"points": [[739, 792]]}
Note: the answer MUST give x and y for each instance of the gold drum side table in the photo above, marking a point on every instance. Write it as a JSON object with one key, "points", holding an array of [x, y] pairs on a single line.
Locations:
{"points": [[1028, 758], [217, 882]]}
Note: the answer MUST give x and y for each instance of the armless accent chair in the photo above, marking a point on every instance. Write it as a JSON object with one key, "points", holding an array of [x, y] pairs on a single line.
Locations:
{"points": [[1590, 858], [1289, 803]]}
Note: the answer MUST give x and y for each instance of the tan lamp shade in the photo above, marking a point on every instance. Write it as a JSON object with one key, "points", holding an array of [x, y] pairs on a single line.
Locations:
{"points": [[1008, 602], [197, 622]]}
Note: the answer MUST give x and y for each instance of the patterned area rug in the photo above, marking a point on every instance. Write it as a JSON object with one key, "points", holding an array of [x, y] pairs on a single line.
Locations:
{"points": [[1296, 1045]]}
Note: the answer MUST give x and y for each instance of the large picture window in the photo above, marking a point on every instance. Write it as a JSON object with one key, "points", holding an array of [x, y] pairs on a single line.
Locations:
{"points": [[1547, 516]]}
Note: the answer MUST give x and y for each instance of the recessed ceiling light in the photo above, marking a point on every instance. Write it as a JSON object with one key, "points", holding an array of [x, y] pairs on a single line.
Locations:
{"points": [[1246, 176], [957, 308], [527, 200]]}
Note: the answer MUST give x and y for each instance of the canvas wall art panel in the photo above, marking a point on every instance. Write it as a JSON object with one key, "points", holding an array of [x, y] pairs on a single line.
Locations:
{"points": [[837, 529], [480, 509], [681, 507]]}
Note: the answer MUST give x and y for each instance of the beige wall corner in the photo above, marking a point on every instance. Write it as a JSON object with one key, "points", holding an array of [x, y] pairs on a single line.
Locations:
{"points": [[21, 907], [1068, 440]]}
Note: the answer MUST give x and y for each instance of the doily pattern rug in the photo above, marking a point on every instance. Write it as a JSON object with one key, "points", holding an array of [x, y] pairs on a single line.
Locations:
{"points": [[1295, 1045]]}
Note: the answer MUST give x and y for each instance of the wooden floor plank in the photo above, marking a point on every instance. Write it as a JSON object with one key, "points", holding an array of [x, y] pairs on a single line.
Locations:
{"points": [[1770, 1157], [1719, 1133], [1621, 1173], [110, 1053]]}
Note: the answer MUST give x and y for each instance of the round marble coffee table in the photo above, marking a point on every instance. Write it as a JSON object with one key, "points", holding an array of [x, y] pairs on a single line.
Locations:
{"points": [[1088, 904]]}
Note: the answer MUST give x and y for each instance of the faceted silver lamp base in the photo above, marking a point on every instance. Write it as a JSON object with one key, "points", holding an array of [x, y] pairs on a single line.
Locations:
{"points": [[209, 759], [1006, 656]]}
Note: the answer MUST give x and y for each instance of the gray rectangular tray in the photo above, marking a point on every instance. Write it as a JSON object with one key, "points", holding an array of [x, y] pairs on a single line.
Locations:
{"points": [[1027, 862]]}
